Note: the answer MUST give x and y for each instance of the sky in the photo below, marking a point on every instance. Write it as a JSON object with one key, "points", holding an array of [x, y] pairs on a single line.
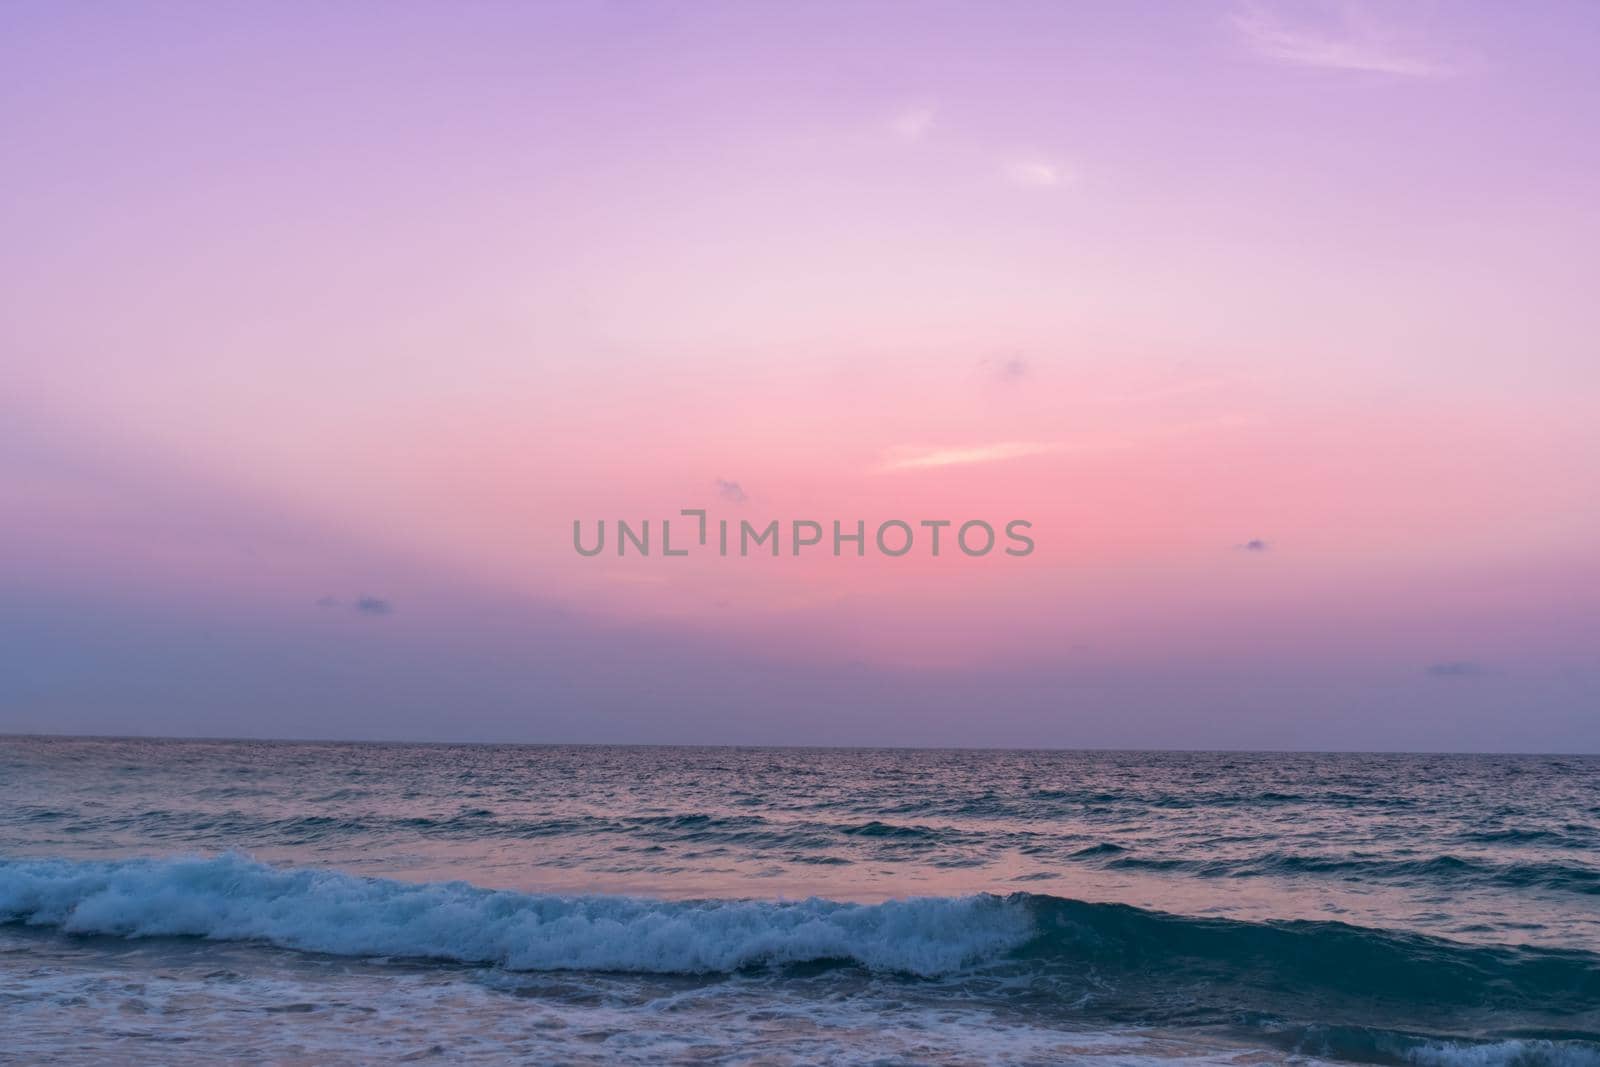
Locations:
{"points": [[321, 326]]}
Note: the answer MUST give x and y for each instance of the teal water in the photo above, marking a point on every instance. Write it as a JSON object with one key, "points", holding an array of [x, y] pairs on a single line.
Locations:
{"points": [[166, 900]]}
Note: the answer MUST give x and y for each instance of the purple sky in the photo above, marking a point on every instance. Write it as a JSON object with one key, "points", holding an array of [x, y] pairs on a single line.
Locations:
{"points": [[1276, 320]]}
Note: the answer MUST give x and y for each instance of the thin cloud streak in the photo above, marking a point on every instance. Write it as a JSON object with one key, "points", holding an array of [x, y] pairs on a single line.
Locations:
{"points": [[951, 457], [1356, 44], [1036, 174], [1457, 668], [913, 124]]}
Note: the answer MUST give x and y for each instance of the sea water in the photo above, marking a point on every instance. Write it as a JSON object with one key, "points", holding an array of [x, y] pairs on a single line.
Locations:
{"points": [[190, 901]]}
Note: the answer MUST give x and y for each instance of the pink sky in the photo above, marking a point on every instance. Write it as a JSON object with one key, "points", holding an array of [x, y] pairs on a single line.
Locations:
{"points": [[376, 300]]}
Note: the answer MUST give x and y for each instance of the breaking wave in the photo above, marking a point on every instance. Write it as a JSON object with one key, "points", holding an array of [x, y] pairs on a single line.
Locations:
{"points": [[1325, 989], [233, 898]]}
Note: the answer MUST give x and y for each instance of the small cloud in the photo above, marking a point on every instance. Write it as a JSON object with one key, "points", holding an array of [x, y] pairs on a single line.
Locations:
{"points": [[1009, 369], [731, 491], [1456, 668], [1035, 174], [328, 602], [912, 124], [915, 459], [1350, 41], [1255, 544], [371, 605]]}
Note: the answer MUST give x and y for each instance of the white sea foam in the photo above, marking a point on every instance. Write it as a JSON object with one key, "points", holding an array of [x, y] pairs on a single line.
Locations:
{"points": [[72, 1005], [234, 898], [1510, 1053]]}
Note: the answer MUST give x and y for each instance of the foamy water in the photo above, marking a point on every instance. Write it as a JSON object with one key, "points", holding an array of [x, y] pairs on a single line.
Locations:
{"points": [[165, 901]]}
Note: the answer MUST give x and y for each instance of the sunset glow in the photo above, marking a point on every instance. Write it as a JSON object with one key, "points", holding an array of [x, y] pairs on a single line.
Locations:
{"points": [[1277, 325]]}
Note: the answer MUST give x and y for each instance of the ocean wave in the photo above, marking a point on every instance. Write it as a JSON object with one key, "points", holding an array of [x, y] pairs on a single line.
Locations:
{"points": [[1359, 993], [234, 898], [1444, 869], [1319, 963], [1366, 1044], [1509, 1053]]}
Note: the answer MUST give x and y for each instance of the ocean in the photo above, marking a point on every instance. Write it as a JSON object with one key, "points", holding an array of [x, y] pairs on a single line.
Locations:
{"points": [[203, 901]]}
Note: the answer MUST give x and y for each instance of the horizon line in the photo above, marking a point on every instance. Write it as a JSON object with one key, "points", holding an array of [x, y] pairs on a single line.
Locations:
{"points": [[37, 736]]}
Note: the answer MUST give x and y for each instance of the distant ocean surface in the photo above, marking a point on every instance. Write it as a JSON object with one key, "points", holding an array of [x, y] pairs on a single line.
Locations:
{"points": [[195, 901]]}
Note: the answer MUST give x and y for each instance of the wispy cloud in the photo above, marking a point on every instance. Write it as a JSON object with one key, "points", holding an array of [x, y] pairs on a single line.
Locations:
{"points": [[731, 491], [917, 459], [1348, 39], [1035, 174], [912, 124]]}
